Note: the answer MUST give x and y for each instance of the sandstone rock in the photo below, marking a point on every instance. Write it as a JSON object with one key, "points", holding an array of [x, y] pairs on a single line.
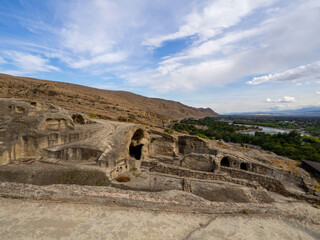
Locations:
{"points": [[38, 133]]}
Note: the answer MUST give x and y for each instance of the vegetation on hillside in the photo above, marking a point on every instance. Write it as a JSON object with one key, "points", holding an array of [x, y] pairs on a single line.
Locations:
{"points": [[307, 124], [314, 130], [291, 145]]}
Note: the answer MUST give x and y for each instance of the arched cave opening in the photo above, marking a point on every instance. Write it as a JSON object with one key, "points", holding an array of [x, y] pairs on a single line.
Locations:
{"points": [[244, 166], [78, 119], [135, 151], [225, 162], [135, 148]]}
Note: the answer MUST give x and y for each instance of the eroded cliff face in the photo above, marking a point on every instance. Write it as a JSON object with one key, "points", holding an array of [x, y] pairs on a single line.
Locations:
{"points": [[38, 133], [33, 131]]}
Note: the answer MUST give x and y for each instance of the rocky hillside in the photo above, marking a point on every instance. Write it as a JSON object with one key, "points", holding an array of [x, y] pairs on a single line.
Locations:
{"points": [[106, 104]]}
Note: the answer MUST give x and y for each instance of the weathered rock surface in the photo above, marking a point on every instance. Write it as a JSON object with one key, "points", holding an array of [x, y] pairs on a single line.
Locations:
{"points": [[47, 152], [37, 133], [64, 220], [33, 131]]}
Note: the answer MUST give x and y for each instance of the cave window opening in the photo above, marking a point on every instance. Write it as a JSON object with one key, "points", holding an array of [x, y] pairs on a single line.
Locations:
{"points": [[78, 119], [135, 151], [225, 162], [244, 166]]}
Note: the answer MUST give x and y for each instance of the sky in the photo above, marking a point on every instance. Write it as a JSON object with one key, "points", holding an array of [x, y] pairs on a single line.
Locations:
{"points": [[229, 55]]}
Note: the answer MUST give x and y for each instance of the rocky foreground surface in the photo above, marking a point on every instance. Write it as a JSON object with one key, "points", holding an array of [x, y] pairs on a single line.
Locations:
{"points": [[83, 212], [46, 219]]}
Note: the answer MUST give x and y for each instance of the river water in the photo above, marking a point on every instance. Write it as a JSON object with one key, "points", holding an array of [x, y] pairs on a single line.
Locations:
{"points": [[269, 130]]}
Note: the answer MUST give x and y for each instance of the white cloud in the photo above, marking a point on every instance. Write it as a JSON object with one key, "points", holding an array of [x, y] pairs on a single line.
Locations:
{"points": [[211, 20], [28, 63], [224, 45], [306, 72], [318, 92], [285, 99], [280, 107], [98, 33], [237, 53], [101, 59], [298, 84], [186, 78], [89, 27]]}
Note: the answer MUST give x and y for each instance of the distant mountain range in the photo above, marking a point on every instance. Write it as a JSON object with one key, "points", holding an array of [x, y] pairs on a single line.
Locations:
{"points": [[311, 111]]}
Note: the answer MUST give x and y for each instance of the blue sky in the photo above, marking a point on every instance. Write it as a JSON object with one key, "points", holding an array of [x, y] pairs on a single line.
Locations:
{"points": [[230, 55]]}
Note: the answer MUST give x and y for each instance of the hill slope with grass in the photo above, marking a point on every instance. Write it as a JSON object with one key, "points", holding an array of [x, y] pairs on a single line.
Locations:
{"points": [[106, 104]]}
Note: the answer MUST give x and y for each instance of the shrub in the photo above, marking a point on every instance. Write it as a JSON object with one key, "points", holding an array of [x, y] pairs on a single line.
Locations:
{"points": [[135, 174], [168, 130], [134, 168], [202, 136], [122, 119], [246, 211], [93, 115]]}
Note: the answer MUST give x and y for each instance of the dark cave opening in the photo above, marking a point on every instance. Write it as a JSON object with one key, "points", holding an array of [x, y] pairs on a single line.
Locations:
{"points": [[225, 162], [135, 151], [78, 119], [244, 166]]}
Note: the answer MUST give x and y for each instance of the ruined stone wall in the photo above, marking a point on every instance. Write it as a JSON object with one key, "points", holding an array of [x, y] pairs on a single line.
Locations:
{"points": [[187, 173], [267, 182], [197, 161], [260, 169], [193, 144], [162, 144], [182, 172], [234, 175], [235, 163]]}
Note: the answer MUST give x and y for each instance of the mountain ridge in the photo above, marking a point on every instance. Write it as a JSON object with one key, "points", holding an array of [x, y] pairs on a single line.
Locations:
{"points": [[309, 111], [107, 104]]}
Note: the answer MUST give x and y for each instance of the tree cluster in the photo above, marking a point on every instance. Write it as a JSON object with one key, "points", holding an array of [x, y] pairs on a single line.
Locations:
{"points": [[291, 145]]}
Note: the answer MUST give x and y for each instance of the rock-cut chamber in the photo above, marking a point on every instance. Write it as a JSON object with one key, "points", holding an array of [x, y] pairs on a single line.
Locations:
{"points": [[135, 148]]}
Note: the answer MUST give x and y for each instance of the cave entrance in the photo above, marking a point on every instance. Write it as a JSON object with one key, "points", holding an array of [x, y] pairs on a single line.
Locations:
{"points": [[78, 119], [225, 162], [135, 151], [135, 148], [244, 166]]}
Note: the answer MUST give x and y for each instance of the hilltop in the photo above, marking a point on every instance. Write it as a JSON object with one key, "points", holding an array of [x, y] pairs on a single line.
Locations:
{"points": [[106, 104]]}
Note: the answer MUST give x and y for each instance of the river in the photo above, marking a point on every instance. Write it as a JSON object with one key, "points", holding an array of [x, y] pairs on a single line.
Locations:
{"points": [[269, 130]]}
